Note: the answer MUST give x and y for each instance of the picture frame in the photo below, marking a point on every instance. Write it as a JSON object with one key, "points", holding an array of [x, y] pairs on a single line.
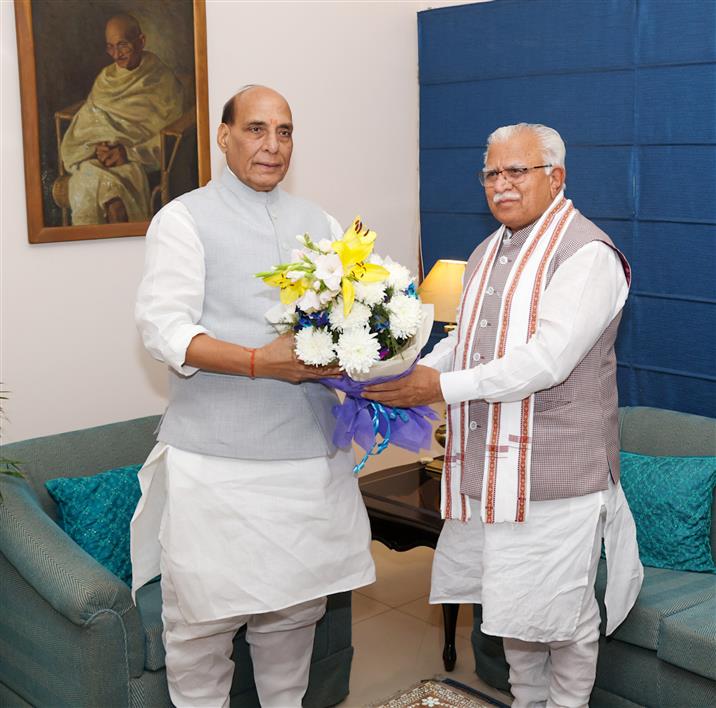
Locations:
{"points": [[68, 60]]}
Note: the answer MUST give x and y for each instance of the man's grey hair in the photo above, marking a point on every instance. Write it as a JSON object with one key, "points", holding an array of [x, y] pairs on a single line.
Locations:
{"points": [[553, 149]]}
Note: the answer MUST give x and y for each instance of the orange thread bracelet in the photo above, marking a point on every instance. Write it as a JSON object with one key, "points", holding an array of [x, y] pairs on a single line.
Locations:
{"points": [[252, 371]]}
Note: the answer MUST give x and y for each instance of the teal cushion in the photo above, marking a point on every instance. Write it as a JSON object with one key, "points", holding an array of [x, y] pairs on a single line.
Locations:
{"points": [[95, 512], [670, 498]]}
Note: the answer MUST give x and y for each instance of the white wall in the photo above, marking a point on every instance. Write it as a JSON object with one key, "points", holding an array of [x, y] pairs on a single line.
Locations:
{"points": [[70, 354]]}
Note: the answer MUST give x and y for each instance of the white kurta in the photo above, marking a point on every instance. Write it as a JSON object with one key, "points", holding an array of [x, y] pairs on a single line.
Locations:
{"points": [[531, 577], [241, 536]]}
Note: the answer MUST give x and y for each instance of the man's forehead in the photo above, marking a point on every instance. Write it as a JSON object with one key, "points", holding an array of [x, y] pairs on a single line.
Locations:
{"points": [[517, 148], [264, 113], [116, 30]]}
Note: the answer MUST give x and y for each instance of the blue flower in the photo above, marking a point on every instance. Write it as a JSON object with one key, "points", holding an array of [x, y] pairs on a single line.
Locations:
{"points": [[304, 321], [315, 320], [412, 291], [320, 319]]}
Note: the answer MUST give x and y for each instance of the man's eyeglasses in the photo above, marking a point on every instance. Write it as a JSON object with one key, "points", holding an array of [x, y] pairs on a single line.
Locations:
{"points": [[514, 175]]}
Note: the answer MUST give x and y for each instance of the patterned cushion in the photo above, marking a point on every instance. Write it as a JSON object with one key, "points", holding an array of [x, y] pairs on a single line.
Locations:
{"points": [[95, 512], [670, 498], [688, 639]]}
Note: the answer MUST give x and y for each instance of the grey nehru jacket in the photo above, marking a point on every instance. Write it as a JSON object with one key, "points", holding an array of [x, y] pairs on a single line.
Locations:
{"points": [[244, 232], [575, 439]]}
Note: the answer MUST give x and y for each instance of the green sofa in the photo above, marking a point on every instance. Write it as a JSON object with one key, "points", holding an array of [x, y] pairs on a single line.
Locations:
{"points": [[664, 653], [70, 634]]}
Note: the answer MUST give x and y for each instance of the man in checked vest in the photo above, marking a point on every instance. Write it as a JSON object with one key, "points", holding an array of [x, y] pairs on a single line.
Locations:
{"points": [[248, 510], [530, 485]]}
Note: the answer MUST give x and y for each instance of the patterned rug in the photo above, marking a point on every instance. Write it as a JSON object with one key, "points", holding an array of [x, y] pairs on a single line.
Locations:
{"points": [[436, 693]]}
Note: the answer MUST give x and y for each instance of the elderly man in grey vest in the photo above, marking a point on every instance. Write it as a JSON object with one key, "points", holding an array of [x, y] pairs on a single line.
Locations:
{"points": [[530, 485], [248, 510]]}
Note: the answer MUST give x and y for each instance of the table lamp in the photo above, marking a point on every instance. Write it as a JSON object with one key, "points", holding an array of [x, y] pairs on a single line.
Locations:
{"points": [[442, 288]]}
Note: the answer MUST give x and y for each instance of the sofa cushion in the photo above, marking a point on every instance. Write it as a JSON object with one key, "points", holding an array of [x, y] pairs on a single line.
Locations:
{"points": [[149, 604], [670, 499], [663, 594], [95, 512], [688, 638]]}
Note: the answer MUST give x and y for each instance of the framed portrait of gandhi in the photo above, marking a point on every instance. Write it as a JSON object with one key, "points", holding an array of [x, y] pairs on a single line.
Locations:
{"points": [[114, 112]]}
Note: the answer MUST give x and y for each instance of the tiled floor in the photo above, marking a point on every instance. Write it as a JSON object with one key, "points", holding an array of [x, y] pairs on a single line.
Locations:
{"points": [[398, 636]]}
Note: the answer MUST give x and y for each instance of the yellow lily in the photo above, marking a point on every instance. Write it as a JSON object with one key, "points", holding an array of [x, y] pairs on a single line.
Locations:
{"points": [[353, 250], [290, 290]]}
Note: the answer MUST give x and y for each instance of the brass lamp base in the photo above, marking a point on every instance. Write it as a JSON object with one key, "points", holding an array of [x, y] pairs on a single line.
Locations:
{"points": [[441, 434]]}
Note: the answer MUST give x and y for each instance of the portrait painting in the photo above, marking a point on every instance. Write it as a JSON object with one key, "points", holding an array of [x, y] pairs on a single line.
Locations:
{"points": [[114, 112]]}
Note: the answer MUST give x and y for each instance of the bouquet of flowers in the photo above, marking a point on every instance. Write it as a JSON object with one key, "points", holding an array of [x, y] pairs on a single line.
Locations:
{"points": [[348, 306]]}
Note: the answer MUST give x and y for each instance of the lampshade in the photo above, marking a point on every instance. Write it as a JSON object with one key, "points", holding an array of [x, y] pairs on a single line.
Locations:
{"points": [[442, 288]]}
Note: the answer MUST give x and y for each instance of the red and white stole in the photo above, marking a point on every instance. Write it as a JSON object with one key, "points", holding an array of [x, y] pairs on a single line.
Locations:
{"points": [[506, 477]]}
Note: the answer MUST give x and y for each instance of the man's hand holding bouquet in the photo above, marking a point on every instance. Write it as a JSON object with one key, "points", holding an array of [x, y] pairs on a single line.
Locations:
{"points": [[349, 307]]}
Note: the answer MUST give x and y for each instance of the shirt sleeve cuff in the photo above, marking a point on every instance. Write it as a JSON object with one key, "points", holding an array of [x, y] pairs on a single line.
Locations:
{"points": [[432, 360], [176, 348], [458, 386]]}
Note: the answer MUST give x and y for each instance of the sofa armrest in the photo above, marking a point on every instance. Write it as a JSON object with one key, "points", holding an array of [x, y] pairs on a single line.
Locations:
{"points": [[47, 660], [70, 580]]}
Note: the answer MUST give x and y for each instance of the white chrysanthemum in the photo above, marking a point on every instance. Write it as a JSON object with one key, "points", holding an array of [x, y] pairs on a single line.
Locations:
{"points": [[370, 293], [405, 314], [357, 317], [399, 276], [315, 346], [357, 350]]}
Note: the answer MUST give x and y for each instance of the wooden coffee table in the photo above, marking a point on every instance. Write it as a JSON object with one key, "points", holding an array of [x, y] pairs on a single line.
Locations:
{"points": [[404, 509]]}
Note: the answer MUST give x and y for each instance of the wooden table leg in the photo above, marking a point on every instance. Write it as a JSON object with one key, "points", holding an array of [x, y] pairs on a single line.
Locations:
{"points": [[449, 624]]}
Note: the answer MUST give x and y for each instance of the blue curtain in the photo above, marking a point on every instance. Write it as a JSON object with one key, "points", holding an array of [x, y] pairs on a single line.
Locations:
{"points": [[631, 87]]}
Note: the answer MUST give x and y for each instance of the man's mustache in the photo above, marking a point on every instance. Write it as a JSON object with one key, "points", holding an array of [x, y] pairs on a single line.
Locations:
{"points": [[505, 197]]}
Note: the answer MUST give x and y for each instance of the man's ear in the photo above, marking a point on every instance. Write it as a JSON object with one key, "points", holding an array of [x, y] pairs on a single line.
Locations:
{"points": [[222, 137], [142, 40], [556, 180]]}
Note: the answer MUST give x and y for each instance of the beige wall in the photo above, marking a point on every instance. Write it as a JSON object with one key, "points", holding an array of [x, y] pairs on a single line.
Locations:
{"points": [[70, 354]]}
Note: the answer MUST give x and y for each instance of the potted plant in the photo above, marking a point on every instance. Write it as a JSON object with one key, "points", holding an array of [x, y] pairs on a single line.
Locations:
{"points": [[7, 466]]}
